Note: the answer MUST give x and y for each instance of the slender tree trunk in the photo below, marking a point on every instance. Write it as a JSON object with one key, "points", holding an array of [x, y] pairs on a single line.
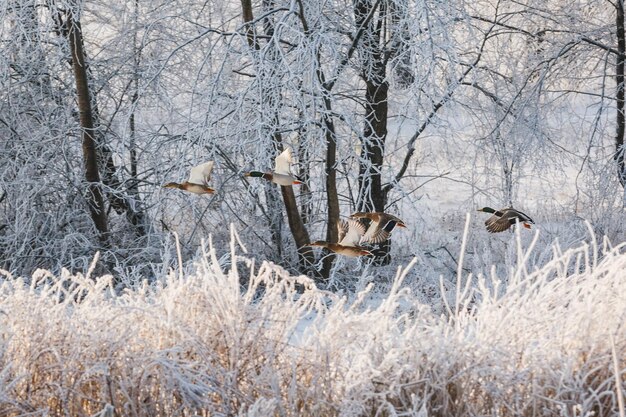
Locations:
{"points": [[508, 182], [332, 197], [306, 257], [619, 79], [306, 206], [304, 173], [135, 214], [94, 197], [271, 196], [118, 199]]}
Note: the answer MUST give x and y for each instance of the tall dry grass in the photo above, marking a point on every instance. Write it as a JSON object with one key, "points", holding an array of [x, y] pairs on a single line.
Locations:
{"points": [[547, 341]]}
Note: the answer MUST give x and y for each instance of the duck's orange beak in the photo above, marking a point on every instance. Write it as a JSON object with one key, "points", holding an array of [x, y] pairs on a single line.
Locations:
{"points": [[296, 182], [526, 225]]}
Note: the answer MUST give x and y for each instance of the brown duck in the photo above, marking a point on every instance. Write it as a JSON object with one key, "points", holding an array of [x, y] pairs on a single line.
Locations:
{"points": [[350, 233], [381, 226], [504, 218]]}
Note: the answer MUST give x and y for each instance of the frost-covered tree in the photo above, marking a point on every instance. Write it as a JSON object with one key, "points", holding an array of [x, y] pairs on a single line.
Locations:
{"points": [[46, 203], [357, 88], [65, 86]]}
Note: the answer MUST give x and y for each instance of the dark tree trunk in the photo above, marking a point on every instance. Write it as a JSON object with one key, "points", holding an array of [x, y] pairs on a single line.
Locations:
{"points": [[372, 196], [94, 197], [332, 197], [619, 79], [275, 211], [306, 257], [248, 16]]}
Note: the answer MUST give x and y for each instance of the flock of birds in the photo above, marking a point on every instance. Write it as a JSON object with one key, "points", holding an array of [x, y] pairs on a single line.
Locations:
{"points": [[353, 233]]}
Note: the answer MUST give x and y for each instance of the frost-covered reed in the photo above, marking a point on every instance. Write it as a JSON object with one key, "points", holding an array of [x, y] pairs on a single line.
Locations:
{"points": [[544, 342]]}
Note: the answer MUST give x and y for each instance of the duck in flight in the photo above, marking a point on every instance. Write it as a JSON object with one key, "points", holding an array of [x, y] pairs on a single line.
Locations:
{"points": [[350, 234], [504, 218], [281, 174], [198, 182], [381, 225]]}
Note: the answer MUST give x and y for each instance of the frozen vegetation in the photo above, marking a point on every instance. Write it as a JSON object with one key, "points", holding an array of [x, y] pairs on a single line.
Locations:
{"points": [[252, 340], [424, 109]]}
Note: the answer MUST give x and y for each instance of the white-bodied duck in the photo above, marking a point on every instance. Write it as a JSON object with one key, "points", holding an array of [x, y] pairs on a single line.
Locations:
{"points": [[198, 182], [281, 174]]}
